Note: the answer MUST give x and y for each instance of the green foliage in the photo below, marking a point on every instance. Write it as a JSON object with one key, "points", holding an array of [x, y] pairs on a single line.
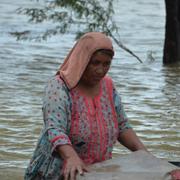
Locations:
{"points": [[80, 16]]}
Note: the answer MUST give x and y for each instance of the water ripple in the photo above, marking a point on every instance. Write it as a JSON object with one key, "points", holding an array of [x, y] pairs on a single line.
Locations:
{"points": [[150, 92]]}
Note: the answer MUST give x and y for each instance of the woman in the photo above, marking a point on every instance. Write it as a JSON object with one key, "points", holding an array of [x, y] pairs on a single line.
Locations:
{"points": [[83, 114]]}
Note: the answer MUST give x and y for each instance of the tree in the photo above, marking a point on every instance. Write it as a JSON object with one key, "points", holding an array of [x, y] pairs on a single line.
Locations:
{"points": [[83, 15], [172, 34]]}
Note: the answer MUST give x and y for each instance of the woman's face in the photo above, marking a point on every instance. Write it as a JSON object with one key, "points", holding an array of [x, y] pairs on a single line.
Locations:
{"points": [[96, 69]]}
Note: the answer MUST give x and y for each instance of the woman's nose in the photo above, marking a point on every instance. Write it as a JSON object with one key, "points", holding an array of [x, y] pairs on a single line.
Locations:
{"points": [[100, 70]]}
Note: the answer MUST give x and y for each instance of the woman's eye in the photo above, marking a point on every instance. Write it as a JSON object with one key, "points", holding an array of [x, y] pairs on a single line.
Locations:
{"points": [[95, 62], [107, 64]]}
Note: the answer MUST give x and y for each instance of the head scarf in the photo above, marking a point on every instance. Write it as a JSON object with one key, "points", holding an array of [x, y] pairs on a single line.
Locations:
{"points": [[78, 58]]}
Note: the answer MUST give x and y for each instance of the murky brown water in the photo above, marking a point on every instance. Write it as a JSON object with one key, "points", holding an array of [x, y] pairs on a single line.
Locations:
{"points": [[150, 92]]}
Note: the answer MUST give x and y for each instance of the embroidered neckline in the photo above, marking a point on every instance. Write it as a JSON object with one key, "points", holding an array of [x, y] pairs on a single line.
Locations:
{"points": [[78, 91]]}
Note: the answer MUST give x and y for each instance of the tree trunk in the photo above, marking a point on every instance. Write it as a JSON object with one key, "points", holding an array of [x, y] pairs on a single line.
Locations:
{"points": [[172, 33]]}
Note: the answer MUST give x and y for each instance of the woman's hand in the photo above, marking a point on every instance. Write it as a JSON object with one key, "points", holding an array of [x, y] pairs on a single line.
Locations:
{"points": [[175, 174], [72, 162], [72, 166]]}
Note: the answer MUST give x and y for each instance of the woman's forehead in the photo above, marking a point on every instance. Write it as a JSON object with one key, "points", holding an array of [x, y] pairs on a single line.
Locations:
{"points": [[106, 52]]}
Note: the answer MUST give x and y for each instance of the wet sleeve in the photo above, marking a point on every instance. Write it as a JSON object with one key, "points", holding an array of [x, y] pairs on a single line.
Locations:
{"points": [[123, 122], [56, 112]]}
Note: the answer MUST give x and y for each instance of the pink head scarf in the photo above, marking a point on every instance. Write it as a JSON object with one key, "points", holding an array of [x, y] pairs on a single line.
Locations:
{"points": [[79, 56]]}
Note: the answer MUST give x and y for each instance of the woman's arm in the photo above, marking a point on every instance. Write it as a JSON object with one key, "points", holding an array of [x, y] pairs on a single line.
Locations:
{"points": [[57, 114], [130, 140], [127, 137]]}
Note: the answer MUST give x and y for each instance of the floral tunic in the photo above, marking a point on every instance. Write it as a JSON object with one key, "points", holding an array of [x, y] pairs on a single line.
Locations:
{"points": [[90, 125]]}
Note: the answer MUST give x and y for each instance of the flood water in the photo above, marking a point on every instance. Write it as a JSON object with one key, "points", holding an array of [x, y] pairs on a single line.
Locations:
{"points": [[150, 91]]}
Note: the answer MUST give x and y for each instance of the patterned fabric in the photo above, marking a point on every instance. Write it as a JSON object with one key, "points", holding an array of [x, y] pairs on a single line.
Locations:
{"points": [[90, 125]]}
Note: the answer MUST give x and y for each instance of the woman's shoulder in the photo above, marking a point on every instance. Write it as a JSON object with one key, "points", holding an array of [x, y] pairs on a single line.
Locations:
{"points": [[56, 90], [55, 83]]}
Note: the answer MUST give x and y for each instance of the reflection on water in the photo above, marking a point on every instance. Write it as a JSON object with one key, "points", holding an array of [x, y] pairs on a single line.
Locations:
{"points": [[172, 85], [150, 92]]}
